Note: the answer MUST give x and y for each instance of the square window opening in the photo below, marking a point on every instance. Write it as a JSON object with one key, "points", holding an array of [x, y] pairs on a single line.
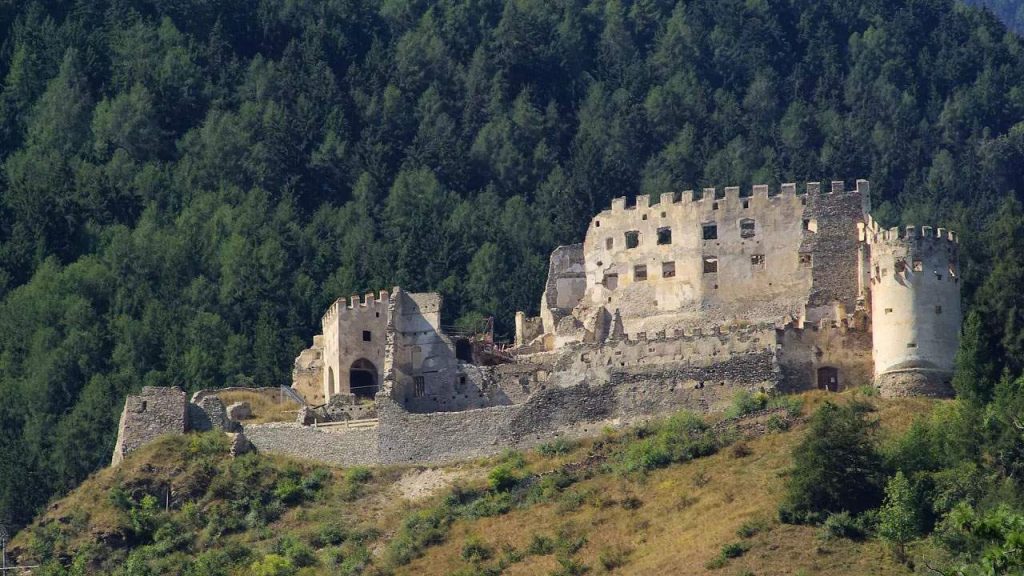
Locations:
{"points": [[711, 265], [639, 273], [668, 269], [632, 239], [367, 336], [757, 261], [747, 228], [664, 235], [710, 231]]}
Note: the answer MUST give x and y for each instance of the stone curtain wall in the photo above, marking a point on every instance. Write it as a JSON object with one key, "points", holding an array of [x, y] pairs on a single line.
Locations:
{"points": [[833, 245], [347, 447]]}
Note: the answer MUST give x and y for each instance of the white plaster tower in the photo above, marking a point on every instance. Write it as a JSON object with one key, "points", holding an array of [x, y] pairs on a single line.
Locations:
{"points": [[915, 309]]}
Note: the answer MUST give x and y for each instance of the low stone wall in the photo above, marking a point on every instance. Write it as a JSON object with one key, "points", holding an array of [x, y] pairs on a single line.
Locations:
{"points": [[271, 392], [915, 382], [348, 447]]}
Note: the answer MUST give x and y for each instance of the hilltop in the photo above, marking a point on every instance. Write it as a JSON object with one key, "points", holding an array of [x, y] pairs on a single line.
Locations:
{"points": [[183, 506]]}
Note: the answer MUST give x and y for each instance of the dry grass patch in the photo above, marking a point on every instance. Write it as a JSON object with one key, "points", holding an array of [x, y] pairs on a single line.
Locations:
{"points": [[266, 407]]}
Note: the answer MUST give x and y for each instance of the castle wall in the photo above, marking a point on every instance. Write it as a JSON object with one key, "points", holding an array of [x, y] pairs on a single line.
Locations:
{"points": [[353, 330], [719, 258], [915, 307], [151, 413], [803, 352], [343, 447]]}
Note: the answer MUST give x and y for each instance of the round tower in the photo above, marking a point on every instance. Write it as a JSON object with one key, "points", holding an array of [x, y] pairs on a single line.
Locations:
{"points": [[915, 309]]}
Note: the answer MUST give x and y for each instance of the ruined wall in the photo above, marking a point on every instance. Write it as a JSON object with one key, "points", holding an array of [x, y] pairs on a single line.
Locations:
{"points": [[151, 413], [353, 330], [308, 373], [915, 307], [602, 397], [343, 447], [718, 257], [565, 286]]}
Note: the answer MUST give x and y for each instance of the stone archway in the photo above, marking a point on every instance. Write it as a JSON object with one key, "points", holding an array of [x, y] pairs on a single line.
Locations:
{"points": [[362, 379]]}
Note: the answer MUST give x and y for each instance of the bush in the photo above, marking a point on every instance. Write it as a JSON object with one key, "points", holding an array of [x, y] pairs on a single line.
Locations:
{"points": [[682, 437], [272, 565], [740, 450], [330, 534], [613, 557], [540, 545], [502, 478], [843, 525], [475, 550], [745, 402], [752, 528], [793, 405], [777, 423], [837, 467], [556, 447], [735, 549]]}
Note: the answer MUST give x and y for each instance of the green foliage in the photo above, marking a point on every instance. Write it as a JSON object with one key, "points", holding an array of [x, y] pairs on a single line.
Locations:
{"points": [[556, 447], [272, 565], [475, 550], [682, 437], [744, 402], [502, 478], [843, 525], [837, 466], [898, 523], [991, 542]]}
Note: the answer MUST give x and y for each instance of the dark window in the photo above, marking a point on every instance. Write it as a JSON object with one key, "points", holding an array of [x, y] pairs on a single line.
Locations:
{"points": [[912, 345], [632, 239], [747, 228], [639, 273], [746, 204], [668, 269], [806, 261], [938, 309], [710, 231], [714, 206], [888, 310], [608, 243], [418, 386], [757, 261], [597, 223], [710, 265], [644, 217], [611, 281], [143, 405], [367, 336], [828, 379], [900, 266], [664, 235]]}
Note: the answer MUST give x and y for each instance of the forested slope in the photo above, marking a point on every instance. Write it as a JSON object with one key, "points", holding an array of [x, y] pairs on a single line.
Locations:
{"points": [[188, 183], [1010, 12]]}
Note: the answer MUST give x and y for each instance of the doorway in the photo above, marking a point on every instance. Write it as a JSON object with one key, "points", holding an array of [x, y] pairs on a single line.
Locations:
{"points": [[362, 379], [828, 379]]}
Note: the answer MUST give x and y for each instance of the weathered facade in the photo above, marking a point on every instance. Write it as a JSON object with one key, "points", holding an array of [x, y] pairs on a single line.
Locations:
{"points": [[664, 306]]}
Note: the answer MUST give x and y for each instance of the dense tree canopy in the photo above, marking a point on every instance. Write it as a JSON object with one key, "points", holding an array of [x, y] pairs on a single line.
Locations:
{"points": [[188, 183]]}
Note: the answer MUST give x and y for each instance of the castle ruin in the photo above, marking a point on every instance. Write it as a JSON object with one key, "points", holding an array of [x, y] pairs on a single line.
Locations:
{"points": [[667, 305]]}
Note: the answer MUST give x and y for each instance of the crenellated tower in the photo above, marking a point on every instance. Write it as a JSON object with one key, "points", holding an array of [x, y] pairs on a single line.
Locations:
{"points": [[915, 308], [353, 345]]}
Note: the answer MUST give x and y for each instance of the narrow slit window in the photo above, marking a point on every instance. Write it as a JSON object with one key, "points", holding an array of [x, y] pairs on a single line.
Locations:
{"points": [[608, 243], [668, 269], [938, 309], [710, 231], [664, 235], [911, 345], [747, 228], [639, 273], [632, 239], [710, 264]]}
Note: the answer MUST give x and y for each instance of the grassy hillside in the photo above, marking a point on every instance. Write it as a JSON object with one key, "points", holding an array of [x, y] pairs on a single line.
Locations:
{"points": [[669, 497]]}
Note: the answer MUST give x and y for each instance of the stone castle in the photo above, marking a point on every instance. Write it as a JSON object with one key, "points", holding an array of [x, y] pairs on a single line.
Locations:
{"points": [[667, 305]]}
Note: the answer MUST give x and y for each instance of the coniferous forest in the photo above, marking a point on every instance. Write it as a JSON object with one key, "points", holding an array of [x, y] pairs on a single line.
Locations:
{"points": [[187, 184]]}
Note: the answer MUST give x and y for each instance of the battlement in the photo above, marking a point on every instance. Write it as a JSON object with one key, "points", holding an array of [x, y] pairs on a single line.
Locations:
{"points": [[874, 234], [644, 202], [346, 307]]}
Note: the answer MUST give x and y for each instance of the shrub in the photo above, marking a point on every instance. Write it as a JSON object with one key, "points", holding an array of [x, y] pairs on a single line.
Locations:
{"points": [[735, 549], [330, 534], [898, 518], [502, 478], [272, 565], [777, 423], [555, 447], [740, 450], [746, 402], [475, 550], [540, 545], [682, 437], [793, 405], [842, 525], [613, 557], [751, 528], [568, 566], [836, 467]]}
